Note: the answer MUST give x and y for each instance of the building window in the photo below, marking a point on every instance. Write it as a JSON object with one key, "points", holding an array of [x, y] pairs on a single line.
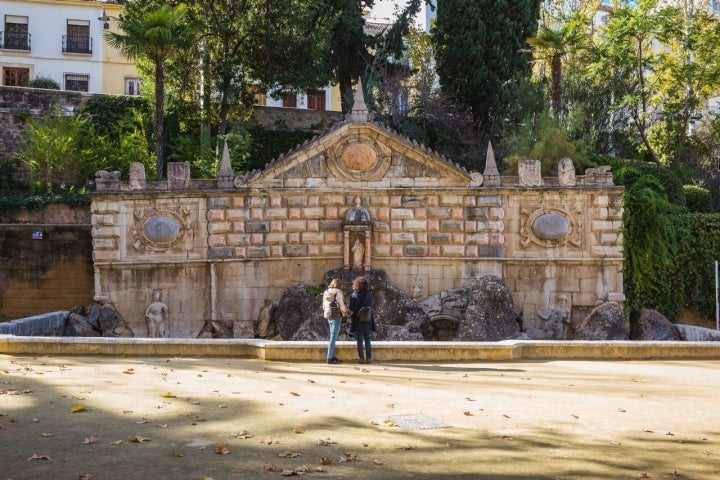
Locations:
{"points": [[316, 100], [77, 82], [15, 77], [258, 93], [132, 86], [290, 101], [16, 36], [78, 38]]}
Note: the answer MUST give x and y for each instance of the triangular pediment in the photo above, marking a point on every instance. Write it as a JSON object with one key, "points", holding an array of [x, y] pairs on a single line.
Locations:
{"points": [[359, 154]]}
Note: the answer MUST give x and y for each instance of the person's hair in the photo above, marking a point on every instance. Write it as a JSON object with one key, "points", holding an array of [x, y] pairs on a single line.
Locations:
{"points": [[334, 283], [360, 283]]}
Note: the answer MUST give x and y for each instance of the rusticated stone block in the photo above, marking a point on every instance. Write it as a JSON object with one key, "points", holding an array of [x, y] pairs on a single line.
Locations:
{"points": [[255, 227], [416, 250], [220, 252], [295, 250]]}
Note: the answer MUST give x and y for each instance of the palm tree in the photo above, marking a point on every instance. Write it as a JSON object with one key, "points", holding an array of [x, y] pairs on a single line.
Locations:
{"points": [[156, 35], [551, 45]]}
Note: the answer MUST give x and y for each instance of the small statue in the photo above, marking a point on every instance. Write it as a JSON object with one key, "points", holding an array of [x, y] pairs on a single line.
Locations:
{"points": [[156, 315], [358, 251], [417, 289]]}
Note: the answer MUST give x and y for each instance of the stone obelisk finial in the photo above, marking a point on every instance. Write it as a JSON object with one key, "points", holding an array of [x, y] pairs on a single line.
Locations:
{"points": [[359, 111]]}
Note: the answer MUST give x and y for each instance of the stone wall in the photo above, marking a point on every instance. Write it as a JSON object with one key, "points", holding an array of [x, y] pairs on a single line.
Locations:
{"points": [[44, 273], [239, 249]]}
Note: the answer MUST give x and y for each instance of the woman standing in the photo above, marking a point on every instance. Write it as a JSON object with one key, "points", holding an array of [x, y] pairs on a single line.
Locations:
{"points": [[361, 326], [333, 295]]}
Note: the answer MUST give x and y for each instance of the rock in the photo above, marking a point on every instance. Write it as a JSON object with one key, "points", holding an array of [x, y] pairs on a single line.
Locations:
{"points": [[297, 306], [265, 324], [111, 323], [605, 322], [490, 315], [652, 325], [692, 333], [216, 329], [79, 326]]}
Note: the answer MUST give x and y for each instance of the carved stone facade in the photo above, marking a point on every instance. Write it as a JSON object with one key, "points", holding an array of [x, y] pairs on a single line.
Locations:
{"points": [[221, 254]]}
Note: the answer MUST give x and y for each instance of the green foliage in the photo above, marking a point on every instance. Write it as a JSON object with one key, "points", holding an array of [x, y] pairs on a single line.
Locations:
{"points": [[481, 53], [699, 248], [316, 289], [12, 201], [666, 182], [269, 144], [547, 142], [43, 82], [52, 151], [650, 238], [698, 199]]}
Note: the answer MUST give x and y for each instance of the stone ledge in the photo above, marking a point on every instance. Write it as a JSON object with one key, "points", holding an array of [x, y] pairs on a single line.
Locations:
{"points": [[382, 351]]}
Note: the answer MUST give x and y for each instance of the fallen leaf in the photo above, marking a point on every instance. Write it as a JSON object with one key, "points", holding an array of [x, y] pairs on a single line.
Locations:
{"points": [[86, 476], [325, 461], [168, 395], [670, 433], [116, 442], [91, 440], [295, 394], [467, 413], [621, 410], [269, 467], [406, 447], [35, 456], [129, 371], [136, 439], [378, 462], [347, 457], [298, 430], [48, 434], [222, 449], [290, 455], [177, 454], [242, 435], [506, 416], [77, 408]]}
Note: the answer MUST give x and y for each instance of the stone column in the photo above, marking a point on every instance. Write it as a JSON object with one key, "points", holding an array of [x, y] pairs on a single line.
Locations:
{"points": [[346, 250], [368, 256]]}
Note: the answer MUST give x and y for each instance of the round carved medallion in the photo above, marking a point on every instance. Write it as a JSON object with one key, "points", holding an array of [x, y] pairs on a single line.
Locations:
{"points": [[358, 157], [161, 229]]}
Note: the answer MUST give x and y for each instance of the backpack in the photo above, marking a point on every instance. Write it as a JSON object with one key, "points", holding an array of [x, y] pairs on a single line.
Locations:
{"points": [[335, 308], [365, 314]]}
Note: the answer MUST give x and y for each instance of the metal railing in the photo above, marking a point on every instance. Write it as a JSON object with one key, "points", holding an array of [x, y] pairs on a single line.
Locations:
{"points": [[15, 41], [76, 44]]}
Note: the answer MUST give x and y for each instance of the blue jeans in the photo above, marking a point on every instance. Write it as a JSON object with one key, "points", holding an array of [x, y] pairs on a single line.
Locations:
{"points": [[362, 337], [334, 326]]}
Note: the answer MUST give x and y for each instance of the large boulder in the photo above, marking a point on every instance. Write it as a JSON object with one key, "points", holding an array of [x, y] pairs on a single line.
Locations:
{"points": [[652, 325], [79, 326], [298, 315], [693, 333], [605, 322], [111, 323], [481, 310], [490, 315]]}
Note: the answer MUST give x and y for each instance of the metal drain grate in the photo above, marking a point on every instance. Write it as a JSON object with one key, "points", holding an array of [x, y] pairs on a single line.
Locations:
{"points": [[416, 421]]}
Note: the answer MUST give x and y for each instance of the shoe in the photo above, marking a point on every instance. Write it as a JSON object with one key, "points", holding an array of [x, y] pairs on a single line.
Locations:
{"points": [[337, 360], [362, 360], [333, 361], [368, 361]]}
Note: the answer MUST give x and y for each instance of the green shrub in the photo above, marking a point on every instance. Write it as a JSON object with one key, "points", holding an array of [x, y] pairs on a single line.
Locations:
{"points": [[698, 199], [44, 82]]}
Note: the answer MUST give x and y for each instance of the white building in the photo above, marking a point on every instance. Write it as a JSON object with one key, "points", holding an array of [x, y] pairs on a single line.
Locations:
{"points": [[62, 40]]}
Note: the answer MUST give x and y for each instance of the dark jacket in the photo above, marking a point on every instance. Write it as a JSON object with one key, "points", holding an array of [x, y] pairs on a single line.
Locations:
{"points": [[359, 299]]}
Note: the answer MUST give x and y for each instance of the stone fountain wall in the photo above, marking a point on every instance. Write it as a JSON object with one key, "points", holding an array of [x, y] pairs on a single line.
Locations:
{"points": [[218, 251]]}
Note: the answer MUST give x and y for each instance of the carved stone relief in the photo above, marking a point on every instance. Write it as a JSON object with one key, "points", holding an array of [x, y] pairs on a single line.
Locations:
{"points": [[359, 158], [550, 227], [160, 230]]}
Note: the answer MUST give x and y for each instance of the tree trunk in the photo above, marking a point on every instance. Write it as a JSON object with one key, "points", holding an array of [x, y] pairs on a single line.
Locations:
{"points": [[160, 119]]}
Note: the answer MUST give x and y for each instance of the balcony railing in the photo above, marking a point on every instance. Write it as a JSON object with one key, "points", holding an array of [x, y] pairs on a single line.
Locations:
{"points": [[15, 41], [76, 44]]}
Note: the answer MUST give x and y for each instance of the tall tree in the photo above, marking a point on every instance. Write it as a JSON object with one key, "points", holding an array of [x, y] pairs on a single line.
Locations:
{"points": [[481, 53], [156, 35], [552, 43]]}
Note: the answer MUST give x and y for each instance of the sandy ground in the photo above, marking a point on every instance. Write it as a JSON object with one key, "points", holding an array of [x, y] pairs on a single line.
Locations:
{"points": [[131, 418]]}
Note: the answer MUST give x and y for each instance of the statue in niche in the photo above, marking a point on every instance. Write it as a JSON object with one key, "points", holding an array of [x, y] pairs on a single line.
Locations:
{"points": [[358, 254], [156, 315]]}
